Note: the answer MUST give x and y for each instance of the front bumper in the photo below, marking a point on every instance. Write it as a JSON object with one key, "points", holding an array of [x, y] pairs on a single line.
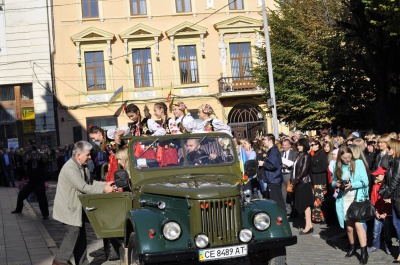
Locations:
{"points": [[193, 254]]}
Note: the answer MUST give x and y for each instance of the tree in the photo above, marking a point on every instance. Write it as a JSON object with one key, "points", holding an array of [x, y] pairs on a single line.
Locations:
{"points": [[317, 81], [371, 29]]}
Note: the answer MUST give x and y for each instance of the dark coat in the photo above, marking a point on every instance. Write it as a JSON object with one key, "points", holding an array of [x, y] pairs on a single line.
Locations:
{"points": [[381, 161], [302, 169], [273, 166], [392, 180], [319, 165]]}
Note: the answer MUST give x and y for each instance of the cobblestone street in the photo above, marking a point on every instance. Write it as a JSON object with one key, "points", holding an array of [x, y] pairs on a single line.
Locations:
{"points": [[326, 245]]}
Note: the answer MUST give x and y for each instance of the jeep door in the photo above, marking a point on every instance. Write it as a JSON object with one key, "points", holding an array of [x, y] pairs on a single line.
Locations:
{"points": [[106, 212]]}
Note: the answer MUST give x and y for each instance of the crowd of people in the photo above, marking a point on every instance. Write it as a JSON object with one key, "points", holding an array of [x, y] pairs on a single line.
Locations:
{"points": [[316, 177], [326, 173]]}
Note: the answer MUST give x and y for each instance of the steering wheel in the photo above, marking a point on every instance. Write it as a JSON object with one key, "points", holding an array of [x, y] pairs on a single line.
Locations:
{"points": [[199, 160]]}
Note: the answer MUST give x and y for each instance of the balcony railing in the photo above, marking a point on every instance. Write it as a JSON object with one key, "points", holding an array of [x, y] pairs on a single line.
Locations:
{"points": [[236, 84]]}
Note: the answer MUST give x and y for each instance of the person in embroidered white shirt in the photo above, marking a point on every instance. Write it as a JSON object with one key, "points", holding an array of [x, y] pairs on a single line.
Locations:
{"points": [[169, 124], [142, 127], [183, 118], [209, 124]]}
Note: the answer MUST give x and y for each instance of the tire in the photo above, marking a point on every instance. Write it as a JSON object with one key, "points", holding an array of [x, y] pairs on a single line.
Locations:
{"points": [[270, 257], [133, 257]]}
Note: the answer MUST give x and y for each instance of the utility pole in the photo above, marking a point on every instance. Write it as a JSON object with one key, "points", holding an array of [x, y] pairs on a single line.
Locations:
{"points": [[270, 75]]}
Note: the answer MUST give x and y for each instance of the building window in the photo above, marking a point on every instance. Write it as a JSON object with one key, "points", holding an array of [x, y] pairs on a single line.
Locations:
{"points": [[142, 68], [95, 76], [26, 91], [183, 6], [138, 7], [90, 8], [7, 93], [7, 116], [106, 123], [236, 5], [188, 64], [240, 54]]}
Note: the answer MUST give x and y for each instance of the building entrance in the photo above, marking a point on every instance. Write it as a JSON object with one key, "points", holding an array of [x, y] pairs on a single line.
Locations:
{"points": [[247, 121]]}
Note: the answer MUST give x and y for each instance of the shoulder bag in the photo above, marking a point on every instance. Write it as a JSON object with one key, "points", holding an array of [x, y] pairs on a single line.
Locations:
{"points": [[360, 211], [289, 187]]}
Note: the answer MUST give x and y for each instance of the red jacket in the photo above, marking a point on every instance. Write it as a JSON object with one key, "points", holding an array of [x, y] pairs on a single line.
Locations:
{"points": [[377, 200]]}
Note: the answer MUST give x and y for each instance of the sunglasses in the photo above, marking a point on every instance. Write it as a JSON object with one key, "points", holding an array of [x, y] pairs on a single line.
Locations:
{"points": [[312, 144]]}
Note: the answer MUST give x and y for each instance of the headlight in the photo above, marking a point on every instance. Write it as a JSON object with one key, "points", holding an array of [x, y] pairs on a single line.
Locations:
{"points": [[261, 221], [201, 240], [172, 231], [245, 235]]}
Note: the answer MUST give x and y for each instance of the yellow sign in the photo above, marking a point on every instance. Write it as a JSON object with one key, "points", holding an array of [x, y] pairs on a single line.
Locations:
{"points": [[28, 114]]}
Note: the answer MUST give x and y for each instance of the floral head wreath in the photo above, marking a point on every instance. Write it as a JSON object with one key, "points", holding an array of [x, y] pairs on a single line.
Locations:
{"points": [[181, 106], [206, 109]]}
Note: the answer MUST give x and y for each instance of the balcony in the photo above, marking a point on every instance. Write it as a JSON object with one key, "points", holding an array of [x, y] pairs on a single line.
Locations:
{"points": [[238, 86]]}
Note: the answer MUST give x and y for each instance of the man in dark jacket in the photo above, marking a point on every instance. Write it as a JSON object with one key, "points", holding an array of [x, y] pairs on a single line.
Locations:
{"points": [[36, 171], [272, 166]]}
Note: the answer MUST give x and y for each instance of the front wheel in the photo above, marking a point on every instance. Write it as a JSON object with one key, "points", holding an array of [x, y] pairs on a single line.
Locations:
{"points": [[133, 257], [270, 257]]}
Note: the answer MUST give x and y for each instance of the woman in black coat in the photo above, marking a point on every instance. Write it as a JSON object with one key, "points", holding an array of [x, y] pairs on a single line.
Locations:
{"points": [[319, 167], [301, 179]]}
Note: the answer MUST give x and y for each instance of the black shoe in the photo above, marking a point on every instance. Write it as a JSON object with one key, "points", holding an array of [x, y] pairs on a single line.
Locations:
{"points": [[364, 255], [352, 251], [310, 231], [15, 211]]}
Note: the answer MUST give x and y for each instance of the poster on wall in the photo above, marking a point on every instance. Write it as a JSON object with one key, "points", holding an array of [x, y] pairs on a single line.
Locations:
{"points": [[12, 142]]}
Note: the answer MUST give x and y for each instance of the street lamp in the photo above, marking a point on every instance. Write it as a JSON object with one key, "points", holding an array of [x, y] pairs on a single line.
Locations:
{"points": [[272, 102]]}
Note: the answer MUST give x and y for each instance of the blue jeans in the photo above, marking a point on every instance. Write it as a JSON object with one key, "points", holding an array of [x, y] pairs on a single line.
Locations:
{"points": [[386, 225], [396, 221]]}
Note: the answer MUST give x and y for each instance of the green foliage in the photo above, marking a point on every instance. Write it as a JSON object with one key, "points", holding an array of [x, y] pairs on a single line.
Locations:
{"points": [[322, 72]]}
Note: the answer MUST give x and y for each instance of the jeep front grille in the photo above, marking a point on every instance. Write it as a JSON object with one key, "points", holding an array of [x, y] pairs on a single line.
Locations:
{"points": [[220, 220]]}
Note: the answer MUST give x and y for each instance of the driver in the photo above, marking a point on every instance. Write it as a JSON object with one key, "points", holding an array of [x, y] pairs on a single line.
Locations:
{"points": [[196, 156]]}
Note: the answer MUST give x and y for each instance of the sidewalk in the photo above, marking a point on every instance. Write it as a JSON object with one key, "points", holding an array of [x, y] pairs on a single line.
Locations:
{"points": [[24, 239]]}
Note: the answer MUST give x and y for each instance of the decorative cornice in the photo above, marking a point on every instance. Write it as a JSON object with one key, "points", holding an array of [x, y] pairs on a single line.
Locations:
{"points": [[92, 34]]}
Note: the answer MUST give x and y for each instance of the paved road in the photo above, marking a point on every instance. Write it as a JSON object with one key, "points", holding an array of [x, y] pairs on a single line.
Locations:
{"points": [[325, 246]]}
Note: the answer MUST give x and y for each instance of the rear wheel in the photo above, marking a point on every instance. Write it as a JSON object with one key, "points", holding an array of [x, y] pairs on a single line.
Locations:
{"points": [[133, 257], [270, 257]]}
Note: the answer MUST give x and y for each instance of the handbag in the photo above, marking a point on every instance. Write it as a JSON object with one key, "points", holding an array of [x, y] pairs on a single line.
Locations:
{"points": [[360, 211], [122, 180], [289, 187]]}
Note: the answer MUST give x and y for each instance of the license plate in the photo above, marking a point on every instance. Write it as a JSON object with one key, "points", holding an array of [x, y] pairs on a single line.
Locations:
{"points": [[222, 253]]}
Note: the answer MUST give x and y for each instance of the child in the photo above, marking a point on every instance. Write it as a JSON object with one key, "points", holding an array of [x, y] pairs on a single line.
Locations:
{"points": [[383, 214]]}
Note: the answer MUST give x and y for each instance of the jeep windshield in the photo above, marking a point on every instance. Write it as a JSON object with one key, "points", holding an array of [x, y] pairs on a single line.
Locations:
{"points": [[188, 151]]}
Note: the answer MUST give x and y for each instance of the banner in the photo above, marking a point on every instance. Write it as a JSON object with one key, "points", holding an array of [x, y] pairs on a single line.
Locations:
{"points": [[12, 142]]}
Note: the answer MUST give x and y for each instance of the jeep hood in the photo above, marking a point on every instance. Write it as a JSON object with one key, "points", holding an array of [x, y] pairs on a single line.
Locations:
{"points": [[193, 189]]}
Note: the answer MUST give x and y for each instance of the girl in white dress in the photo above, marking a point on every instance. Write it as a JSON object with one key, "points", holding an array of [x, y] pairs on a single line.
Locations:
{"points": [[209, 124]]}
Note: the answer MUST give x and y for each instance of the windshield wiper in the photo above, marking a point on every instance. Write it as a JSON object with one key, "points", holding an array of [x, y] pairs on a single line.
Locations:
{"points": [[151, 145]]}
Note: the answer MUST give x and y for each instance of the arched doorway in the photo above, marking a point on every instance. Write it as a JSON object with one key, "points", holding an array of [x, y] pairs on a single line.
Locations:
{"points": [[247, 120]]}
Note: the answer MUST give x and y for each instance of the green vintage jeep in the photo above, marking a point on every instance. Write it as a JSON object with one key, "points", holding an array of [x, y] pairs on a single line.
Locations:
{"points": [[187, 202]]}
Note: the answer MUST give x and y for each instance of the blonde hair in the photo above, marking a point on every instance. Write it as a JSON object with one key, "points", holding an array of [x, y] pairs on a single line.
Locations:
{"points": [[122, 154], [394, 144], [358, 153], [393, 135]]}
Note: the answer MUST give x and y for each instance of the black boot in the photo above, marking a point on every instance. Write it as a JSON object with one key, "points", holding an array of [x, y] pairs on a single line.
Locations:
{"points": [[364, 255], [351, 251]]}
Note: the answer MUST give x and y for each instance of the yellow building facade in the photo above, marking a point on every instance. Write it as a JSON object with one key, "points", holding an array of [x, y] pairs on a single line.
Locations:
{"points": [[200, 51]]}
